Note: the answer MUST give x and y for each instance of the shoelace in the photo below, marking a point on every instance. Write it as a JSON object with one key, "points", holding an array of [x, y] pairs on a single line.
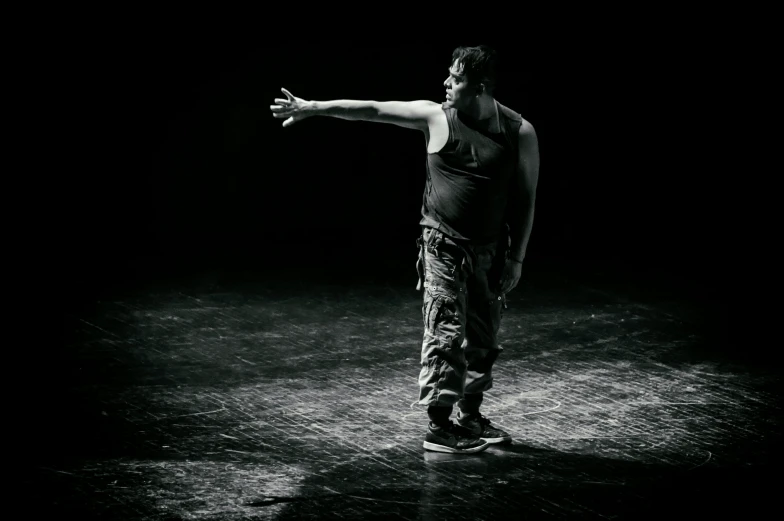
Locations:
{"points": [[458, 430], [484, 422]]}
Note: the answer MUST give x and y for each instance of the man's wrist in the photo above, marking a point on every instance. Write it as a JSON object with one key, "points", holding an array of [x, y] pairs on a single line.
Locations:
{"points": [[311, 108]]}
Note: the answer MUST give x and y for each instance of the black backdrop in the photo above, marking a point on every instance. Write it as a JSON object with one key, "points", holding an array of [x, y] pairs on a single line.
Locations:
{"points": [[175, 162]]}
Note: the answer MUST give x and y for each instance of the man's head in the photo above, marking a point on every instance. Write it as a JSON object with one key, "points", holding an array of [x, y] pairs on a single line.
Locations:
{"points": [[472, 74]]}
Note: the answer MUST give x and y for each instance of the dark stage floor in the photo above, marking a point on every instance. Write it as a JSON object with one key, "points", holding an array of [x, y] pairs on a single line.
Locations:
{"points": [[289, 396]]}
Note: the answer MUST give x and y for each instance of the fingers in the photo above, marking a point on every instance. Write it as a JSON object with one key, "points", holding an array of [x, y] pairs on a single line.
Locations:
{"points": [[285, 108], [279, 115], [508, 282], [503, 285]]}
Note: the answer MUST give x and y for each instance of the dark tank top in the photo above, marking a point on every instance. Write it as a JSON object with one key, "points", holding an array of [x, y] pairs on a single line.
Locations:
{"points": [[468, 180]]}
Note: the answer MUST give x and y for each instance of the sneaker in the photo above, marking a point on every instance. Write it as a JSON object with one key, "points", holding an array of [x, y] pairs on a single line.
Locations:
{"points": [[480, 426], [453, 439]]}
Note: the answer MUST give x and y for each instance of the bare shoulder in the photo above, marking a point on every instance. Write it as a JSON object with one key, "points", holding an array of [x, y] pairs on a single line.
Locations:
{"points": [[527, 130], [417, 114], [428, 107], [430, 112], [526, 138], [428, 104]]}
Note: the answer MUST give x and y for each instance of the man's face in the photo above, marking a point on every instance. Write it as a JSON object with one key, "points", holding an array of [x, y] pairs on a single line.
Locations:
{"points": [[459, 94]]}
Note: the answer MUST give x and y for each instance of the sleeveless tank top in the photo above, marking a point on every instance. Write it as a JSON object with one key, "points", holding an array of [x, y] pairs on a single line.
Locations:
{"points": [[468, 180]]}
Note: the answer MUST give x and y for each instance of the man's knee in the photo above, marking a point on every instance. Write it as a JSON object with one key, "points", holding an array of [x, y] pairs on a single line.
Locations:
{"points": [[481, 360]]}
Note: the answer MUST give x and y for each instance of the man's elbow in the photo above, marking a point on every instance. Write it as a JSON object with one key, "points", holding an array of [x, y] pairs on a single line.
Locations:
{"points": [[521, 211], [529, 202], [525, 200]]}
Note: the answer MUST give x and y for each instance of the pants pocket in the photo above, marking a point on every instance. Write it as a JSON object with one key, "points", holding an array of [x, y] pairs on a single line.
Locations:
{"points": [[442, 308], [443, 263]]}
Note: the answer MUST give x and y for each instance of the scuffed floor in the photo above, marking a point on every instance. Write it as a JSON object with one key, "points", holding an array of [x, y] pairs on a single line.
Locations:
{"points": [[271, 401]]}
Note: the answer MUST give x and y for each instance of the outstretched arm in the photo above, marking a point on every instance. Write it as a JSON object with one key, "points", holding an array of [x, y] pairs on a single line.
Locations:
{"points": [[408, 114], [522, 202]]}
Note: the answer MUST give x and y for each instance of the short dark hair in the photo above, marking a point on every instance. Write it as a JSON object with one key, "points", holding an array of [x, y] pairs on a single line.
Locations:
{"points": [[479, 63]]}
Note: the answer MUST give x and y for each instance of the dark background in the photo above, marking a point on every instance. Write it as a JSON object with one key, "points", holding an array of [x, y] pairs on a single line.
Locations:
{"points": [[176, 165]]}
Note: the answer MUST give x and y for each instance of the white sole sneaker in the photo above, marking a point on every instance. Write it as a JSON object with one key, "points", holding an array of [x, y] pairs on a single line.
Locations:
{"points": [[435, 447], [497, 440]]}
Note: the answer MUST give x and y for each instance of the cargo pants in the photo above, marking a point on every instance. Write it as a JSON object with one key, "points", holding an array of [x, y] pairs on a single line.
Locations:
{"points": [[462, 313]]}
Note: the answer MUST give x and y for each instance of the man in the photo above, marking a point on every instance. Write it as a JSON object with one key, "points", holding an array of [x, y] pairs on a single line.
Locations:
{"points": [[477, 213]]}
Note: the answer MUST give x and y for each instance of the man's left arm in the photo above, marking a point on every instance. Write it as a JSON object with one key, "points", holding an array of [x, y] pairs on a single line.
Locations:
{"points": [[522, 203]]}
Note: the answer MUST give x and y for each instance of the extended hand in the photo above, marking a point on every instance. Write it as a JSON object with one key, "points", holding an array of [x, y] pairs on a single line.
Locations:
{"points": [[511, 275], [292, 108]]}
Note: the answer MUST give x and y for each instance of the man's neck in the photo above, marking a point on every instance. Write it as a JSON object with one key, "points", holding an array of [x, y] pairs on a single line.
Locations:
{"points": [[485, 113]]}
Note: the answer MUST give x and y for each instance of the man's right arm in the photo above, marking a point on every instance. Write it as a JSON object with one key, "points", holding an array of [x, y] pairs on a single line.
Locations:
{"points": [[409, 114]]}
